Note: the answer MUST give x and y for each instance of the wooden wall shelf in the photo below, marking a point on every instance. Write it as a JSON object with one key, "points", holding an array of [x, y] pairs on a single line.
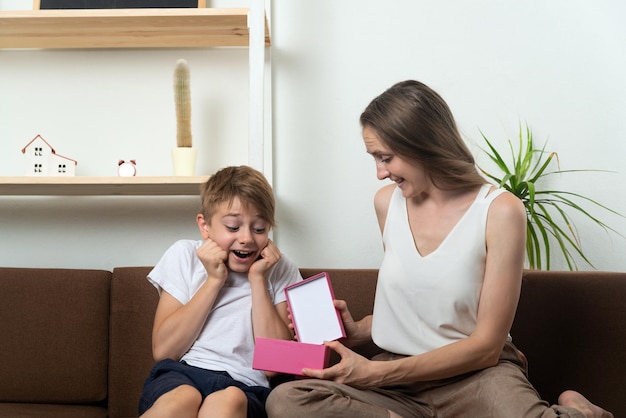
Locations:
{"points": [[101, 186], [126, 28], [140, 28]]}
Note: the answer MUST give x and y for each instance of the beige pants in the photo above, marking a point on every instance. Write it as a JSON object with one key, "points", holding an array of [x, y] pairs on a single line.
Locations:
{"points": [[502, 391]]}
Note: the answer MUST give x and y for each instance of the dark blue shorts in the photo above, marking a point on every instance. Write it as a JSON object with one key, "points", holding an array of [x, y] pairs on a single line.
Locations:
{"points": [[168, 374]]}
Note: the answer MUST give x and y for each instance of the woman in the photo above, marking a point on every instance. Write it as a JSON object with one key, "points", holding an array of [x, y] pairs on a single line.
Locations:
{"points": [[448, 285]]}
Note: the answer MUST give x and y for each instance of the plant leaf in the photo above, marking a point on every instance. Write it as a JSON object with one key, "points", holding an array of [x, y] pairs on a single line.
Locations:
{"points": [[520, 176]]}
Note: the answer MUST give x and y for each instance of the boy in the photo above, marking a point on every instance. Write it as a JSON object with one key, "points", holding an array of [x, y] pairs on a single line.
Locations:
{"points": [[216, 296]]}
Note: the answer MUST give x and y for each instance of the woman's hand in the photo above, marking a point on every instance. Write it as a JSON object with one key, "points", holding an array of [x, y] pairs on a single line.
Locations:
{"points": [[349, 325], [353, 369], [356, 332]]}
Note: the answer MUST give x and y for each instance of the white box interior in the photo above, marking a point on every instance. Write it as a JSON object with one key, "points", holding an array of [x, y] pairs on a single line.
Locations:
{"points": [[313, 312]]}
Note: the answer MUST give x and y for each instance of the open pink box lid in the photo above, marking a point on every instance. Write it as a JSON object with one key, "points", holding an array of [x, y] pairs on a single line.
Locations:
{"points": [[315, 320]]}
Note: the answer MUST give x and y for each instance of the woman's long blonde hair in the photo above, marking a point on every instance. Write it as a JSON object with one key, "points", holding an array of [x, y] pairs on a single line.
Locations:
{"points": [[417, 124]]}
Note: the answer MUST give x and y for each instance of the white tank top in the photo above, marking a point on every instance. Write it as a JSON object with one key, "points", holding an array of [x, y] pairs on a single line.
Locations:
{"points": [[423, 303]]}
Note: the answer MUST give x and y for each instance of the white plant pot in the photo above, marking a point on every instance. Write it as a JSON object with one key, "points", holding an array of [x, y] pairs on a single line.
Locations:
{"points": [[184, 161]]}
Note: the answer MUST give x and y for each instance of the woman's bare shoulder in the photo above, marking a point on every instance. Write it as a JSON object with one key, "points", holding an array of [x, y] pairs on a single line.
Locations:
{"points": [[507, 209], [381, 203], [383, 196]]}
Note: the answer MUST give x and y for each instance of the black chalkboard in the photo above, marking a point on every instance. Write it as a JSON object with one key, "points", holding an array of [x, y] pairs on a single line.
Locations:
{"points": [[115, 4]]}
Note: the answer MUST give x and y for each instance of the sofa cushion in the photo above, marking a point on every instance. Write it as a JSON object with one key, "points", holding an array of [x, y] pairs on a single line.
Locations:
{"points": [[570, 327], [25, 410], [133, 304], [55, 335]]}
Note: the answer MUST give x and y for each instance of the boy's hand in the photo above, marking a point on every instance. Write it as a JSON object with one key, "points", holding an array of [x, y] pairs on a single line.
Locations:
{"points": [[269, 256], [213, 258]]}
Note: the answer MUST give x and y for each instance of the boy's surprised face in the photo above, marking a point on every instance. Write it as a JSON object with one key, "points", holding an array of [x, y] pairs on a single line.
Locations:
{"points": [[238, 230]]}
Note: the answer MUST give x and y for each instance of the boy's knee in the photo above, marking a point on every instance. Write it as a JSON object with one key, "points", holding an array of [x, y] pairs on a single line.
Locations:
{"points": [[234, 397], [230, 401], [180, 401]]}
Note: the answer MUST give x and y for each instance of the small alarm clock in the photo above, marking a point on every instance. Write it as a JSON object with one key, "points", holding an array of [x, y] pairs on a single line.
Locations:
{"points": [[126, 168]]}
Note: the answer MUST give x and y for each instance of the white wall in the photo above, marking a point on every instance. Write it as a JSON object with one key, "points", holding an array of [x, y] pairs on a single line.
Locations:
{"points": [[556, 65]]}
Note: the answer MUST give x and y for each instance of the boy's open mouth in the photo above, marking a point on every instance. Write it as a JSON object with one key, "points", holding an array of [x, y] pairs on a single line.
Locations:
{"points": [[243, 254]]}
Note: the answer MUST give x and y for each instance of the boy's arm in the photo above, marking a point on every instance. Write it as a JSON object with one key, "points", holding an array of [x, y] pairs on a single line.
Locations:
{"points": [[177, 326], [268, 320]]}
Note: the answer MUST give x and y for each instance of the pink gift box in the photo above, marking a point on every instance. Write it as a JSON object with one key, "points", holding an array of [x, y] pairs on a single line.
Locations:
{"points": [[289, 357], [315, 320]]}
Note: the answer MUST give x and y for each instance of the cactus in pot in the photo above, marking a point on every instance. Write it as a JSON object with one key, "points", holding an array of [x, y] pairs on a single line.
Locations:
{"points": [[182, 100], [184, 155]]}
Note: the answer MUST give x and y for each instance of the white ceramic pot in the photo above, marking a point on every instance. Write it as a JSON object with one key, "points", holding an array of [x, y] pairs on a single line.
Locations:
{"points": [[184, 161]]}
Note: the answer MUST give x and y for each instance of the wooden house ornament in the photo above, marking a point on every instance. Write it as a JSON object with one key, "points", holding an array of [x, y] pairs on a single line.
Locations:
{"points": [[42, 160]]}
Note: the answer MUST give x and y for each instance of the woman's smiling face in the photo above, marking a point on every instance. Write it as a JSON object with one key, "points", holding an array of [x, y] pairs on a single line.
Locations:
{"points": [[240, 231], [408, 175]]}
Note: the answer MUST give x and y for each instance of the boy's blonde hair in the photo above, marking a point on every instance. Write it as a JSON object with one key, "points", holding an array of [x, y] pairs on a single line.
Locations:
{"points": [[243, 182]]}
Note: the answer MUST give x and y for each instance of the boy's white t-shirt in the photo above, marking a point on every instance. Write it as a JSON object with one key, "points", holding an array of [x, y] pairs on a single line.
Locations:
{"points": [[226, 342]]}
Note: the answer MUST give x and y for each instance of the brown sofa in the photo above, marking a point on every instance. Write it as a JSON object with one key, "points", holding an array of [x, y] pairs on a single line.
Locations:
{"points": [[76, 343]]}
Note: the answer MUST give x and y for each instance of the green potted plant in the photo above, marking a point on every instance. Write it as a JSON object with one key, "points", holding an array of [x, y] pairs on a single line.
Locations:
{"points": [[184, 155], [548, 212]]}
